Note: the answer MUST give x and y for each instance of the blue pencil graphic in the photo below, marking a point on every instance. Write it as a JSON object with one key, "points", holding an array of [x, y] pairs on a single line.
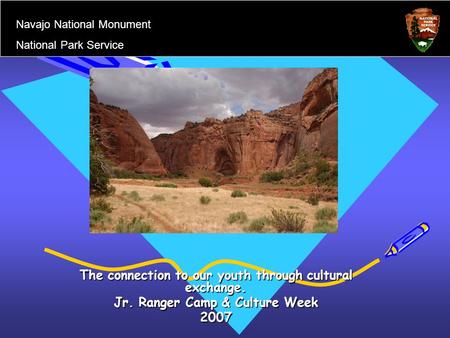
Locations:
{"points": [[404, 241]]}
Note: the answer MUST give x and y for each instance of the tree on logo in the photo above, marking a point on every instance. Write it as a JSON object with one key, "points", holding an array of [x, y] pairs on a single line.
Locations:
{"points": [[415, 28]]}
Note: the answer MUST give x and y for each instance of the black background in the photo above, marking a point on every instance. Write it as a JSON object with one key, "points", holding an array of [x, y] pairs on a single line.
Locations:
{"points": [[274, 28]]}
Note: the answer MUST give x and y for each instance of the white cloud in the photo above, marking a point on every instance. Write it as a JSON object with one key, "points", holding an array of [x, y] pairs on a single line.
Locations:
{"points": [[152, 131], [163, 99]]}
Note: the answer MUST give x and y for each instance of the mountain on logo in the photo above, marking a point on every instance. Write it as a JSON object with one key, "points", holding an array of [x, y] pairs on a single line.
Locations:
{"points": [[428, 29]]}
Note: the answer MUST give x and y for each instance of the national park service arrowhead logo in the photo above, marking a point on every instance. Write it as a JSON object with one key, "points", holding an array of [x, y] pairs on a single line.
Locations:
{"points": [[423, 27]]}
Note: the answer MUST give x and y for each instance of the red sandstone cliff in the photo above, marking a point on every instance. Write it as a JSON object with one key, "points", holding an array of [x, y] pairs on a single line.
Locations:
{"points": [[123, 140], [255, 141], [240, 145], [319, 106]]}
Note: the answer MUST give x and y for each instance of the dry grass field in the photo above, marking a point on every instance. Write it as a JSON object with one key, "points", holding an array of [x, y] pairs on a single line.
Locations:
{"points": [[183, 206]]}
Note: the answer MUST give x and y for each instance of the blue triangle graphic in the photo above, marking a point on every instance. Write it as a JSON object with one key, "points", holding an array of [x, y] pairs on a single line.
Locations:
{"points": [[379, 109], [281, 252], [59, 107]]}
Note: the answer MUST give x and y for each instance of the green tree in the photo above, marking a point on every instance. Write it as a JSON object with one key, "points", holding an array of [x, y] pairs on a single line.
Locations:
{"points": [[415, 28], [99, 170]]}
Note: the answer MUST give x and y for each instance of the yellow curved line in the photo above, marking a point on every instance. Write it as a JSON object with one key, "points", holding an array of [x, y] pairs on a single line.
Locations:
{"points": [[202, 270], [339, 281], [117, 268]]}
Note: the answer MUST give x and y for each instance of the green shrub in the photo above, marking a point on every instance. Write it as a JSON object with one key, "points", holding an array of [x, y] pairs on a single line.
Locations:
{"points": [[205, 182], [325, 174], [101, 205], [166, 185], [257, 225], [205, 200], [322, 173], [333, 179], [301, 166], [287, 221], [253, 193], [321, 166], [313, 199], [99, 209], [325, 214], [121, 173], [135, 225], [272, 176], [134, 195], [177, 174], [238, 193], [237, 217], [302, 163], [158, 198], [124, 193], [215, 190], [98, 217], [324, 226]]}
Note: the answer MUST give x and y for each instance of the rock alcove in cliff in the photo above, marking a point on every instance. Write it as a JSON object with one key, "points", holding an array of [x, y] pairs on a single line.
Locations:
{"points": [[224, 163]]}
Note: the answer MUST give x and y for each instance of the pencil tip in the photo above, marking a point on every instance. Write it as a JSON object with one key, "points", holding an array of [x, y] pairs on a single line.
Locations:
{"points": [[390, 252]]}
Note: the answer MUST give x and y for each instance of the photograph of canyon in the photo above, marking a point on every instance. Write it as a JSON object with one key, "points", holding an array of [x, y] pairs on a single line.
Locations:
{"points": [[214, 150]]}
